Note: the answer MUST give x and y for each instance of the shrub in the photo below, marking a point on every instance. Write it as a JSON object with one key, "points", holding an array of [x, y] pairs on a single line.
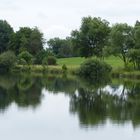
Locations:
{"points": [[51, 60], [45, 61], [22, 61], [64, 68], [26, 56], [94, 69], [40, 56], [7, 60]]}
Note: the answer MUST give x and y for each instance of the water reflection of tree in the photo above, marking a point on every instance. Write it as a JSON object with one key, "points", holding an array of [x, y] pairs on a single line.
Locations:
{"points": [[97, 105], [90, 100], [89, 106], [23, 90], [67, 85]]}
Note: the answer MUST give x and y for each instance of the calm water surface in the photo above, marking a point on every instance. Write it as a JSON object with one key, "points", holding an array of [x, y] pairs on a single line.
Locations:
{"points": [[68, 108]]}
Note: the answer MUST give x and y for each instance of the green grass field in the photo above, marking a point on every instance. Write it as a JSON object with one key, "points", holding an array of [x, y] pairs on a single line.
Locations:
{"points": [[115, 62]]}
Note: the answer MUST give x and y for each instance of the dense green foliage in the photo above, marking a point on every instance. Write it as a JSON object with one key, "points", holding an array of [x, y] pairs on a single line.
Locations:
{"points": [[134, 57], [64, 68], [25, 56], [61, 47], [5, 34], [45, 61], [95, 38], [121, 39], [94, 69], [7, 61], [92, 36], [42, 54], [51, 60], [27, 39], [137, 35]]}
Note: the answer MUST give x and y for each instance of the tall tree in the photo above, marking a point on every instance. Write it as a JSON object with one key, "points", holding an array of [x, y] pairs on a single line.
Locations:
{"points": [[55, 44], [137, 35], [134, 53], [61, 47], [5, 33], [92, 36], [122, 40], [20, 41], [27, 39], [36, 41]]}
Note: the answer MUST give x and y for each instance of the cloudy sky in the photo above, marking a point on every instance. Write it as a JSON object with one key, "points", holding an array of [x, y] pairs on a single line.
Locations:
{"points": [[58, 17]]}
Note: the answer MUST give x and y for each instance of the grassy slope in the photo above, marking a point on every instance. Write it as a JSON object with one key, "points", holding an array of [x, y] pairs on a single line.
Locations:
{"points": [[115, 62]]}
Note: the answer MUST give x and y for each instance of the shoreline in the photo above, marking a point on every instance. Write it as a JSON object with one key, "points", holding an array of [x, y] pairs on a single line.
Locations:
{"points": [[118, 73]]}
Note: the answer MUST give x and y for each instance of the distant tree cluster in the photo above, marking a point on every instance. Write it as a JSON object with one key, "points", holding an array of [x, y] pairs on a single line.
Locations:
{"points": [[26, 39], [6, 32], [26, 45], [92, 37], [96, 38], [61, 47]]}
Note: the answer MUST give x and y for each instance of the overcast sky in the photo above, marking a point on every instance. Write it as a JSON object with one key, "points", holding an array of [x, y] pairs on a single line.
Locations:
{"points": [[58, 17]]}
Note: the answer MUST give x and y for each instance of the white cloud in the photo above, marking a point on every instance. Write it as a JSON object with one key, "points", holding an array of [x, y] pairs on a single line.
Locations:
{"points": [[59, 17]]}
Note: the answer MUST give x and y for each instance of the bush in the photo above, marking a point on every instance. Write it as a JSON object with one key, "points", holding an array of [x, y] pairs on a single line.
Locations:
{"points": [[41, 55], [45, 61], [26, 56], [94, 69], [51, 60], [22, 62], [64, 68], [7, 60]]}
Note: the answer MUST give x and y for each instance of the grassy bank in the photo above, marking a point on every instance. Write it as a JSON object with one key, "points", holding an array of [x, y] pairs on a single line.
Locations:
{"points": [[74, 63], [41, 69], [126, 74]]}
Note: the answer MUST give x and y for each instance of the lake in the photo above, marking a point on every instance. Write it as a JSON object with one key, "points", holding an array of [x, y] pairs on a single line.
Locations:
{"points": [[68, 108]]}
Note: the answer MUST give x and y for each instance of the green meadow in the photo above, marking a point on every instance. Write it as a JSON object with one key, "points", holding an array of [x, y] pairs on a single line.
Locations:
{"points": [[115, 62]]}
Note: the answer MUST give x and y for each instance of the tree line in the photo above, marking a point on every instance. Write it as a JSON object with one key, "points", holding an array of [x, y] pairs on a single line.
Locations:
{"points": [[95, 38], [25, 46], [26, 39]]}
